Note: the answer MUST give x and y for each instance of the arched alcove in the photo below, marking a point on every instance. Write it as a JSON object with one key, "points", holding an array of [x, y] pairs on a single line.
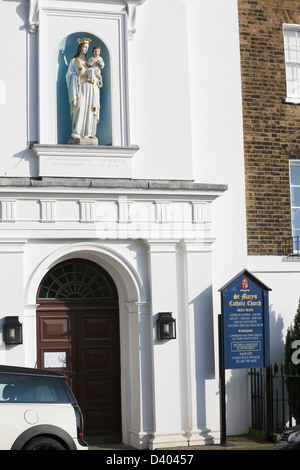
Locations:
{"points": [[64, 53]]}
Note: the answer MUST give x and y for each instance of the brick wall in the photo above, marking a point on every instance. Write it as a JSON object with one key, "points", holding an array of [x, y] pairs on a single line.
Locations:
{"points": [[271, 128]]}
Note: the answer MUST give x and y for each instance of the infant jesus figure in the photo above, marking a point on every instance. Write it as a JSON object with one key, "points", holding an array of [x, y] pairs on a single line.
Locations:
{"points": [[96, 64]]}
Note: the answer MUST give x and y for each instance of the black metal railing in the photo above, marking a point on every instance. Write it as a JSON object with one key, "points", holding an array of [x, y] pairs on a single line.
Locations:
{"points": [[279, 413], [289, 247]]}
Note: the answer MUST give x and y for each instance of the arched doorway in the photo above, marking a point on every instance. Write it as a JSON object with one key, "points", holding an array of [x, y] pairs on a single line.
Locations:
{"points": [[78, 332]]}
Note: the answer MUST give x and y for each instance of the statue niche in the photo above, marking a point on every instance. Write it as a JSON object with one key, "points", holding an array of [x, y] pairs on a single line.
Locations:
{"points": [[80, 85]]}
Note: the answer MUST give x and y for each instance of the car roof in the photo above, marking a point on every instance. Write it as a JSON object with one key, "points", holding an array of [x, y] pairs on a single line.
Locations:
{"points": [[30, 371]]}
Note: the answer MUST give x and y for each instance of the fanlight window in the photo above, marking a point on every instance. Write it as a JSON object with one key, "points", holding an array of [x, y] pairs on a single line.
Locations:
{"points": [[75, 280]]}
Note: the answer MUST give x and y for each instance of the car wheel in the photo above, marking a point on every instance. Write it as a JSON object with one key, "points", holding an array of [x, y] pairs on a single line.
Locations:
{"points": [[44, 443]]}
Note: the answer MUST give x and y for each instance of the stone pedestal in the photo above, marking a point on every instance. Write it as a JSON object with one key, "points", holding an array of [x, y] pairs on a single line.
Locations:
{"points": [[84, 161], [83, 141]]}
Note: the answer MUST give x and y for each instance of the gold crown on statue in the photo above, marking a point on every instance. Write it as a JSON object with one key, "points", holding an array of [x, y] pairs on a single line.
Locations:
{"points": [[83, 40]]}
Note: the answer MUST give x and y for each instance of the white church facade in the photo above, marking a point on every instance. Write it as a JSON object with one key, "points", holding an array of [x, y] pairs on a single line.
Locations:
{"points": [[114, 245]]}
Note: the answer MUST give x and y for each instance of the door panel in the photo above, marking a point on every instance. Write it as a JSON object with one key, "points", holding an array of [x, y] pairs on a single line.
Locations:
{"points": [[99, 359], [56, 333], [55, 329], [100, 420], [98, 327]]}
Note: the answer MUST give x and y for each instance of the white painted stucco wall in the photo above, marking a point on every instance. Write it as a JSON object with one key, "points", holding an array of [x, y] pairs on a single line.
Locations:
{"points": [[185, 115]]}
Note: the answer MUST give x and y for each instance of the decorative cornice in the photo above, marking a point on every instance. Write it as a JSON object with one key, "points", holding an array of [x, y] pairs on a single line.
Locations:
{"points": [[33, 17], [204, 191]]}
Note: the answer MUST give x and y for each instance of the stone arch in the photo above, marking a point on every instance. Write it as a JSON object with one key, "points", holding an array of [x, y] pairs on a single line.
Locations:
{"points": [[133, 311], [129, 283]]}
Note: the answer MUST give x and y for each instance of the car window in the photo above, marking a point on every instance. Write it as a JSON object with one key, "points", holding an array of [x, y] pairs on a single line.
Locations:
{"points": [[27, 389]]}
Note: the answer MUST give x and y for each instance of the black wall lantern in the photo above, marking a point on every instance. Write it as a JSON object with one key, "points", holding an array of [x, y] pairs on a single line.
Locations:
{"points": [[12, 331], [166, 326]]}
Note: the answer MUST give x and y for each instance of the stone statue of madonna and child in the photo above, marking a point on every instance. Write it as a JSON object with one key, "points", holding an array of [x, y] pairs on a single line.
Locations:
{"points": [[84, 81]]}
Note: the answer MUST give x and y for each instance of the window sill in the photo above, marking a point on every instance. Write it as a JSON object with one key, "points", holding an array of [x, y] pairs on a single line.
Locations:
{"points": [[291, 100], [88, 161]]}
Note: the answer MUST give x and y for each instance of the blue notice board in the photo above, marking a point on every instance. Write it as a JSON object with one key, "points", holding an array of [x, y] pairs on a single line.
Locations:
{"points": [[245, 331]]}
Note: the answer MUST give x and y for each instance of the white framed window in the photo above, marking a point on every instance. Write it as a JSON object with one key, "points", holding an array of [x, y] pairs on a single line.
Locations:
{"points": [[291, 35], [295, 196]]}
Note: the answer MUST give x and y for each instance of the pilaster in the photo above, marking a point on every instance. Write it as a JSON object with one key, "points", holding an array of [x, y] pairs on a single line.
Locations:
{"points": [[12, 294], [165, 294], [138, 404], [201, 386]]}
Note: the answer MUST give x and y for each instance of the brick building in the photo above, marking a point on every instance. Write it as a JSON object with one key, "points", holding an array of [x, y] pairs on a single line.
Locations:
{"points": [[269, 42], [270, 74]]}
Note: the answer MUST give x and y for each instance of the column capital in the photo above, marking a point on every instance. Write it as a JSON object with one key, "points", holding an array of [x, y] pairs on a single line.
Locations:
{"points": [[138, 307], [197, 246], [162, 246]]}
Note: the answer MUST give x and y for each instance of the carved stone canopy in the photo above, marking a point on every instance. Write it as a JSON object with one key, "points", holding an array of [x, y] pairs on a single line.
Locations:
{"points": [[33, 17]]}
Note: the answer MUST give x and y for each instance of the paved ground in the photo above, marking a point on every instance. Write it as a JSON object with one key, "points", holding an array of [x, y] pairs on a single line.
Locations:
{"points": [[232, 443]]}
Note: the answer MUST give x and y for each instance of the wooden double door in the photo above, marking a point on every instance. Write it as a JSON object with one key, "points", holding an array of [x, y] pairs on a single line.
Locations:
{"points": [[81, 337]]}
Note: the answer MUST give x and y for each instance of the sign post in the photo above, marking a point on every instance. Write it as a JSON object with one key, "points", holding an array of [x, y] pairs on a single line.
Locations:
{"points": [[244, 335]]}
